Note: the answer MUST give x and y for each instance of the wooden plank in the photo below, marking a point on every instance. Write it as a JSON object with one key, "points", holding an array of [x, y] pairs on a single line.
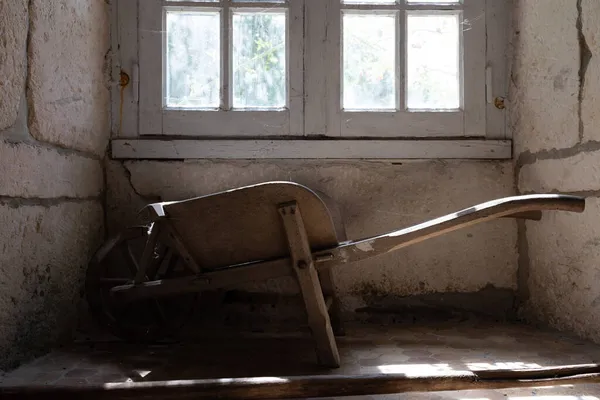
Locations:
{"points": [[498, 33], [151, 67], [474, 63], [124, 43], [226, 123], [294, 387], [308, 279], [229, 277], [402, 124], [243, 225], [295, 60], [317, 67], [311, 149], [176, 242], [140, 275], [333, 43], [331, 299]]}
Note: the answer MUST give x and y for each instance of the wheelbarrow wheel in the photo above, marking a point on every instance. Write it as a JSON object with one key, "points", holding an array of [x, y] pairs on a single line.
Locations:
{"points": [[116, 263]]}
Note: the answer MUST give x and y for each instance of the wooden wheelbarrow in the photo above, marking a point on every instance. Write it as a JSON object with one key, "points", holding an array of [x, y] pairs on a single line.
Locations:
{"points": [[141, 283]]}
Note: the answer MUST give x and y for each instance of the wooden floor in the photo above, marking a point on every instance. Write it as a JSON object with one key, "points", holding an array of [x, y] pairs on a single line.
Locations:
{"points": [[473, 345]]}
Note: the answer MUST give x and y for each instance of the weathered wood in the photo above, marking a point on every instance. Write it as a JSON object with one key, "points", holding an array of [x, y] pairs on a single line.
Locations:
{"points": [[373, 149], [312, 386], [117, 263], [224, 278], [376, 245], [361, 249], [333, 304], [243, 225], [177, 243], [146, 258], [310, 287]]}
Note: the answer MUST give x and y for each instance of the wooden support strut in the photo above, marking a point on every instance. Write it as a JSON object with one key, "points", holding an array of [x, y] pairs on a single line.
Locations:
{"points": [[308, 279]]}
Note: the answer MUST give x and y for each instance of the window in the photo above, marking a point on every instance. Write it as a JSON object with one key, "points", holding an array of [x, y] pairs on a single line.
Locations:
{"points": [[319, 78]]}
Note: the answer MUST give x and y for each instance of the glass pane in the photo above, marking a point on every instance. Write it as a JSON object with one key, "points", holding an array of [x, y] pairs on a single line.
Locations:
{"points": [[433, 74], [193, 59], [369, 53], [258, 60]]}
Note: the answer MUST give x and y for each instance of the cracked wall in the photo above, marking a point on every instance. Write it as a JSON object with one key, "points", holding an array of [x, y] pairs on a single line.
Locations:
{"points": [[556, 125], [374, 198], [53, 136]]}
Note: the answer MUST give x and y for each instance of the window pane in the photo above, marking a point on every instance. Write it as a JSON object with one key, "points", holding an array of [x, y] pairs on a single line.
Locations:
{"points": [[433, 53], [259, 65], [193, 59], [369, 53]]}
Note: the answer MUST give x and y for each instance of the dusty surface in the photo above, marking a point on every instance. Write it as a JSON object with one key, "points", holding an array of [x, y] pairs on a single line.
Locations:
{"points": [[544, 81], [13, 58], [374, 198], [570, 174], [45, 250], [51, 183], [430, 348], [54, 173], [563, 273], [590, 13], [67, 85], [555, 89]]}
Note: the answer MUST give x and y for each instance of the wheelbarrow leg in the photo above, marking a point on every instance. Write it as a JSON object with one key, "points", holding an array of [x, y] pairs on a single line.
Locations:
{"points": [[308, 279], [328, 284]]}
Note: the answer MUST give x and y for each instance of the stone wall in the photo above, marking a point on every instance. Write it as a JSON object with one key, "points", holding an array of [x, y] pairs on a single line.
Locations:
{"points": [[53, 137], [556, 123]]}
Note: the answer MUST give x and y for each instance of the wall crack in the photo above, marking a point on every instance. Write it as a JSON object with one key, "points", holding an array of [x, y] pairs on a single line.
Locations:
{"points": [[16, 202], [585, 55], [528, 158]]}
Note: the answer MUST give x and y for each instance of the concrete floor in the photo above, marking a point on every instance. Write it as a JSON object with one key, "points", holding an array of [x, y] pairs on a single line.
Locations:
{"points": [[365, 349]]}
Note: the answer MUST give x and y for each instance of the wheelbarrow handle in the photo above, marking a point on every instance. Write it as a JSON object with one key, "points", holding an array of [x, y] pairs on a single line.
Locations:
{"points": [[527, 206]]}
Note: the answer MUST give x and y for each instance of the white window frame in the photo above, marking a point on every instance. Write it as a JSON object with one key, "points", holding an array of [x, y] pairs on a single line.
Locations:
{"points": [[313, 125]]}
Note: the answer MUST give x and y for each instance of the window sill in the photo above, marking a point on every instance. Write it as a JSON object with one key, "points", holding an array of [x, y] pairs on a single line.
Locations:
{"points": [[368, 149]]}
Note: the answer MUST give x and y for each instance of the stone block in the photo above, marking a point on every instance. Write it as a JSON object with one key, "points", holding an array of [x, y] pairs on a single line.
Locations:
{"points": [[45, 251], [28, 170], [13, 58], [68, 85], [563, 270], [571, 174], [545, 82]]}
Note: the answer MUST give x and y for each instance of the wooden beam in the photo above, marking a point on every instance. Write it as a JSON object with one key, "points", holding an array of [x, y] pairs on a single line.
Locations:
{"points": [[371, 149], [311, 386]]}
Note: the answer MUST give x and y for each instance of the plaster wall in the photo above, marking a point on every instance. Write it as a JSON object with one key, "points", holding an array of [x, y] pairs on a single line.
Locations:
{"points": [[555, 122], [53, 135]]}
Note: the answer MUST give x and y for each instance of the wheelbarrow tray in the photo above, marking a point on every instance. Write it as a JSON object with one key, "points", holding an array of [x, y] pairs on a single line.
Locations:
{"points": [[277, 229]]}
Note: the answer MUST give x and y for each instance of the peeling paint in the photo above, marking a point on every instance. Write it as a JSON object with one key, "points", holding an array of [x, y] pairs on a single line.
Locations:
{"points": [[365, 246]]}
